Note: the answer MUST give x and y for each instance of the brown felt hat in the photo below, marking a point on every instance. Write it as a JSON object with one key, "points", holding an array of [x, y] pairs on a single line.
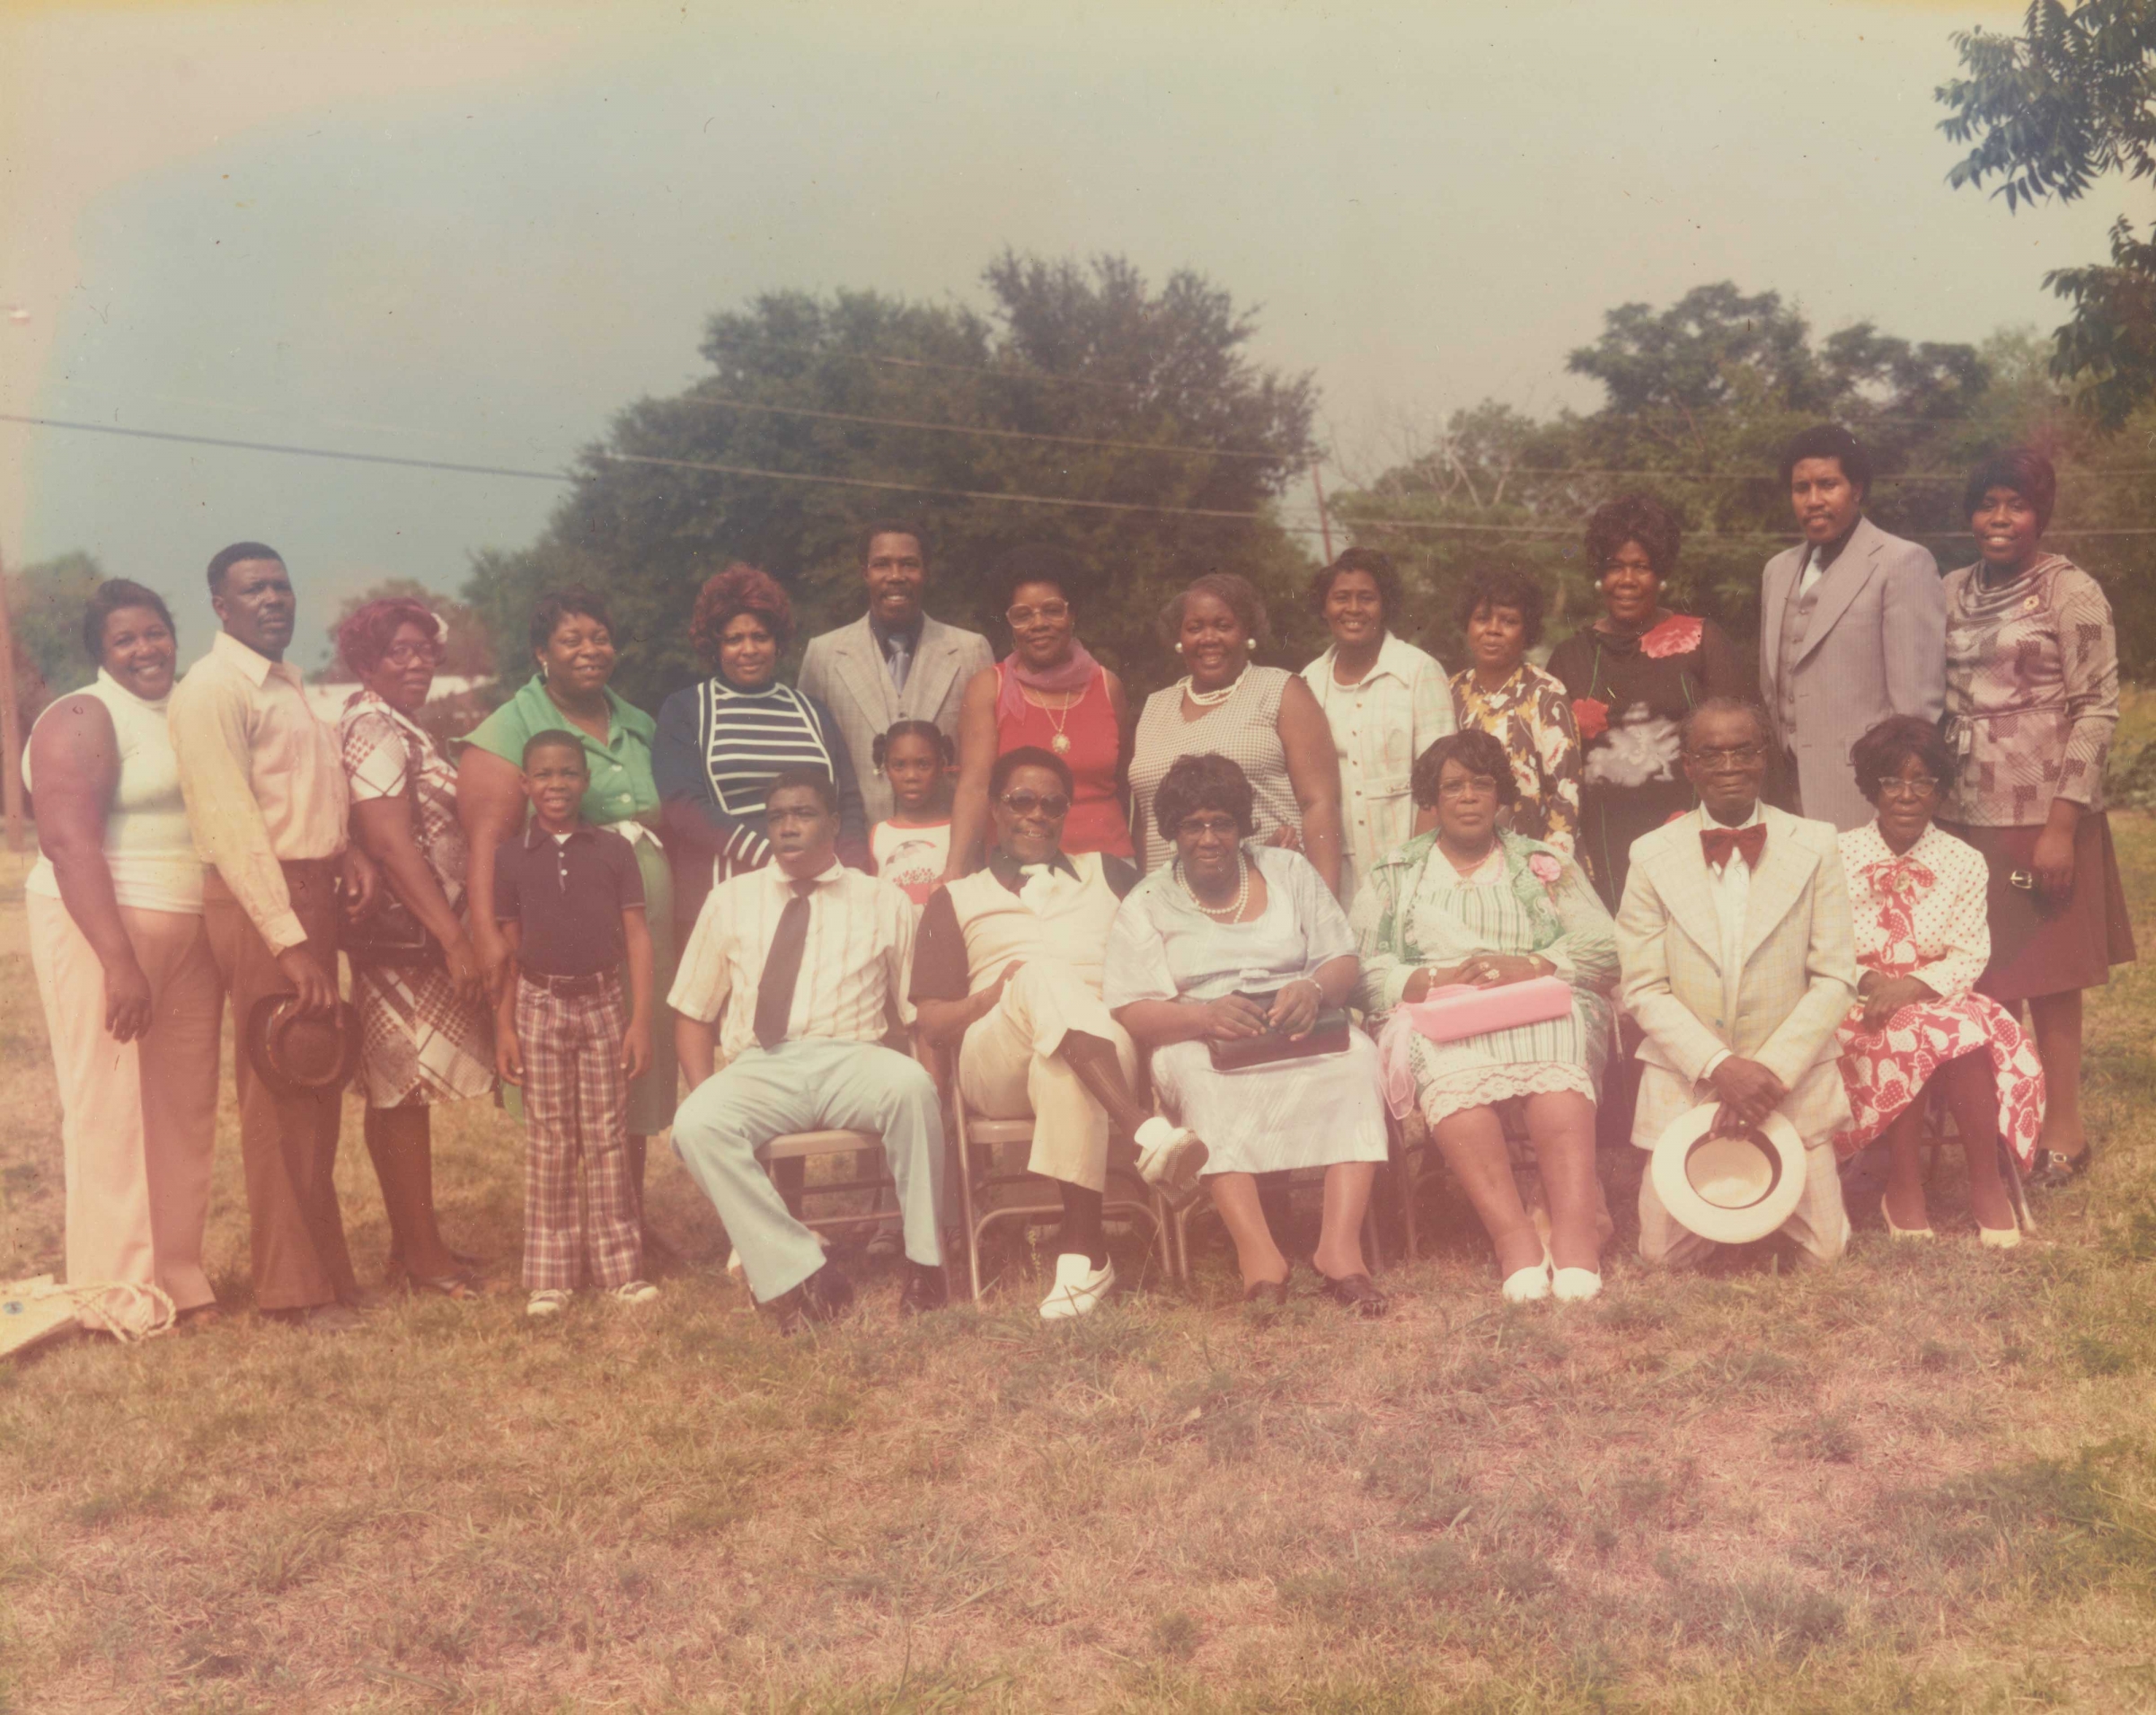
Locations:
{"points": [[299, 1053]]}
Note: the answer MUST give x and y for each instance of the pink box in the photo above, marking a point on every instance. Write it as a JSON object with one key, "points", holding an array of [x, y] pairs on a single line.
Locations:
{"points": [[1460, 1010]]}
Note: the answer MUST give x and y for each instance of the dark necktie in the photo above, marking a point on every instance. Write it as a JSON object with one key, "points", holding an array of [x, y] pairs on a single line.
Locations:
{"points": [[782, 967], [900, 661], [1718, 843]]}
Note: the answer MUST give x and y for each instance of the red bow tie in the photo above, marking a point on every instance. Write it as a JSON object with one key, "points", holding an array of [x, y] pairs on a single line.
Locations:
{"points": [[1718, 843]]}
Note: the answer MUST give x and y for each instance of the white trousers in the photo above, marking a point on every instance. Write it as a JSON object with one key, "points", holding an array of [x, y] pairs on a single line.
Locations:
{"points": [[1009, 1068]]}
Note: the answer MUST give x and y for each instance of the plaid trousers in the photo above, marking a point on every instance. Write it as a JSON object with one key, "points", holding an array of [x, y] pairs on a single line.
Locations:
{"points": [[576, 1117]]}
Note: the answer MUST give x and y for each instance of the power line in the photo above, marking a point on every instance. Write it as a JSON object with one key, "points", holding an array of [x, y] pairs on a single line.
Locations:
{"points": [[813, 350], [465, 468], [1768, 476], [968, 428]]}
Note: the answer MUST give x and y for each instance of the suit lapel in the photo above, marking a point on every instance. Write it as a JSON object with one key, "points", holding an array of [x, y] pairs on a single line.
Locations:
{"points": [[1844, 579], [1773, 597], [1784, 869], [1687, 887], [866, 675]]}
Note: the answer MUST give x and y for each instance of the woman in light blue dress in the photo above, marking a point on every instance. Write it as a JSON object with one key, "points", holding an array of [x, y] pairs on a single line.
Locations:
{"points": [[1230, 941]]}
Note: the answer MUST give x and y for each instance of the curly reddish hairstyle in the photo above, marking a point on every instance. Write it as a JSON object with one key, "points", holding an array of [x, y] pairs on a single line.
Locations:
{"points": [[728, 594], [364, 635]]}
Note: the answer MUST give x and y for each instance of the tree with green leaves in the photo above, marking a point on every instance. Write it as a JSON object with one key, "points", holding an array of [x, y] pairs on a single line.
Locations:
{"points": [[45, 604], [1139, 405], [468, 650], [2048, 112]]}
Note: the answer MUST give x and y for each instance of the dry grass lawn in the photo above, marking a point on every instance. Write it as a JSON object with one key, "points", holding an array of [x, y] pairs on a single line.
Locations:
{"points": [[1924, 1480]]}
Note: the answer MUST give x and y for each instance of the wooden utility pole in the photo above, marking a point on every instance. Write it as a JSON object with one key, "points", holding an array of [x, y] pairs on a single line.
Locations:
{"points": [[1324, 523], [11, 726]]}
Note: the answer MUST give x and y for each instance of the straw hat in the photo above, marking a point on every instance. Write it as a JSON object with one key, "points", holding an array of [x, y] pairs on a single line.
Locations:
{"points": [[1729, 1189], [294, 1052]]}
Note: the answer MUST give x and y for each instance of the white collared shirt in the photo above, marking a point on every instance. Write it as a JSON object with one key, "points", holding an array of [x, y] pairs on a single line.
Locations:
{"points": [[1732, 889], [1380, 725], [855, 965]]}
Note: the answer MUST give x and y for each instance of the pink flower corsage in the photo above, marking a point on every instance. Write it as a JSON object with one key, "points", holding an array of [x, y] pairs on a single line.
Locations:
{"points": [[1544, 868], [1679, 634], [1592, 717]]}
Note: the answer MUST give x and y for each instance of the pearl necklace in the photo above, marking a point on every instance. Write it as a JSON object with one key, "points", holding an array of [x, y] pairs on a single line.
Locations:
{"points": [[1242, 891], [1210, 699]]}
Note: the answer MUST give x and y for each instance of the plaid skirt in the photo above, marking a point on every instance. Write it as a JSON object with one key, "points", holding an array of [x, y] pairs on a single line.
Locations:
{"points": [[419, 1043]]}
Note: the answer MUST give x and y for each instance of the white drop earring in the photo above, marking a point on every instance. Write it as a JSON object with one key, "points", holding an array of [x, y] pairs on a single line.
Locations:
{"points": [[1179, 649]]}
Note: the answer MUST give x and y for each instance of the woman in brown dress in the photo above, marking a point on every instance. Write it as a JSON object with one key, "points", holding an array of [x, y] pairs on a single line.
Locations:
{"points": [[2032, 700], [1631, 676]]}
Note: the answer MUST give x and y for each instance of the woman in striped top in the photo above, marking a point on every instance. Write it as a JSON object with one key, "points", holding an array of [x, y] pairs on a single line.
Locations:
{"points": [[722, 742]]}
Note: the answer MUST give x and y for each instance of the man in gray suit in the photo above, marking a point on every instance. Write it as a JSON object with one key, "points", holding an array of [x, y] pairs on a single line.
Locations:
{"points": [[1852, 628], [894, 663]]}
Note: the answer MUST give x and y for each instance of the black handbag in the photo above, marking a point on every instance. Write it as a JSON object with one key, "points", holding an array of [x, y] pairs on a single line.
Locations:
{"points": [[1327, 1035], [390, 935]]}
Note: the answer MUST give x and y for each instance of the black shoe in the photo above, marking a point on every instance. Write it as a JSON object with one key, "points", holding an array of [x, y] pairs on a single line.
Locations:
{"points": [[823, 1298], [1357, 1292], [2056, 1171], [925, 1289]]}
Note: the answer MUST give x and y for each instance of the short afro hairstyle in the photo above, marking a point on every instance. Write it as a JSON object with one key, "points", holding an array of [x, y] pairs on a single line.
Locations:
{"points": [[1209, 781], [1706, 706], [1475, 750], [1880, 752], [1028, 756], [728, 594], [364, 635], [1503, 582], [1634, 517], [226, 558], [555, 738], [1235, 593], [2022, 469], [573, 601], [1828, 440], [1374, 565], [876, 527], [880, 745], [1038, 562], [108, 600], [815, 778]]}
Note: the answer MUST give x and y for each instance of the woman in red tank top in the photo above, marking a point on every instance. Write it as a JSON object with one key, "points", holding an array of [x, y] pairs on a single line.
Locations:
{"points": [[1049, 691]]}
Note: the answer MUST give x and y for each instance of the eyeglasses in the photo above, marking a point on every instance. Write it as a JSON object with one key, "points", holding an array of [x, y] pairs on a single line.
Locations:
{"points": [[1198, 826], [1054, 806], [1730, 756], [1921, 786], [1050, 611], [413, 655], [1473, 785]]}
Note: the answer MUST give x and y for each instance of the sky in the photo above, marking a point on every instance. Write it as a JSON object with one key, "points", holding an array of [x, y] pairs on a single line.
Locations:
{"points": [[474, 233]]}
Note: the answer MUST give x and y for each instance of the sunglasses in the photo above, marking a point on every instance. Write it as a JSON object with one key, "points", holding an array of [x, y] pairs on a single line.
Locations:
{"points": [[1054, 806]]}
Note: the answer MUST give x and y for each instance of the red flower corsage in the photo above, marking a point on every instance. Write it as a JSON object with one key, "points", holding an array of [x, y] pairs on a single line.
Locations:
{"points": [[1679, 634], [1593, 718]]}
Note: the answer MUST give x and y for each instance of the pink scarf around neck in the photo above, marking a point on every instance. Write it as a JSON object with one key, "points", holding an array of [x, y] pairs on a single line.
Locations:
{"points": [[1074, 675]]}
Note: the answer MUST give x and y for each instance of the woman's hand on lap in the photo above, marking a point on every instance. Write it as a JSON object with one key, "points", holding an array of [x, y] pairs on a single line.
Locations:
{"points": [[1233, 1016], [1296, 1007]]}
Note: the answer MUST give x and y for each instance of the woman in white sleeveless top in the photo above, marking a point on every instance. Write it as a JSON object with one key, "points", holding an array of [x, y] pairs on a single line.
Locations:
{"points": [[130, 992]]}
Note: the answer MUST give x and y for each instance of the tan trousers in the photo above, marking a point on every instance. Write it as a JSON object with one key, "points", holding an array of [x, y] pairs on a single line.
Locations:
{"points": [[1818, 1227], [138, 1120], [1009, 1069], [287, 1137]]}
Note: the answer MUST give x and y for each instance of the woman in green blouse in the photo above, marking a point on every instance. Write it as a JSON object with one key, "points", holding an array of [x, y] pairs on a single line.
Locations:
{"points": [[573, 646]]}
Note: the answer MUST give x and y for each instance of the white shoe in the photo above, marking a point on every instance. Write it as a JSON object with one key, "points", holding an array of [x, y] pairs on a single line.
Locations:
{"points": [[1999, 1238], [1574, 1285], [1078, 1286], [1170, 1157], [547, 1301], [733, 1264], [635, 1292], [1527, 1286]]}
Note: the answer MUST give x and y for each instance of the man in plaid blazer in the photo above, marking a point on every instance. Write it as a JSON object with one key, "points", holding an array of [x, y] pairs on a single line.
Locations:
{"points": [[1739, 960]]}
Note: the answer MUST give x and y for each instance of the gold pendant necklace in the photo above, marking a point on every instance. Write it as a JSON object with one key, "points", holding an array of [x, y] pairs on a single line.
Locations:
{"points": [[1061, 743]]}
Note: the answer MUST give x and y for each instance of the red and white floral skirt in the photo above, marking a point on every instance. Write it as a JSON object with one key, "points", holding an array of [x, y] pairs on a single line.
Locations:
{"points": [[1886, 1070]]}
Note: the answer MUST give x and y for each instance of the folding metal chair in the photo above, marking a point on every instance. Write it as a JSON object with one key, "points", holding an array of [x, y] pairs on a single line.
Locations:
{"points": [[979, 1142], [801, 1146]]}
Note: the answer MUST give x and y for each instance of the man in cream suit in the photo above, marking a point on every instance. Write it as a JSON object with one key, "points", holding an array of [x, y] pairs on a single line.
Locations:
{"points": [[1739, 960], [894, 663], [1852, 628]]}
